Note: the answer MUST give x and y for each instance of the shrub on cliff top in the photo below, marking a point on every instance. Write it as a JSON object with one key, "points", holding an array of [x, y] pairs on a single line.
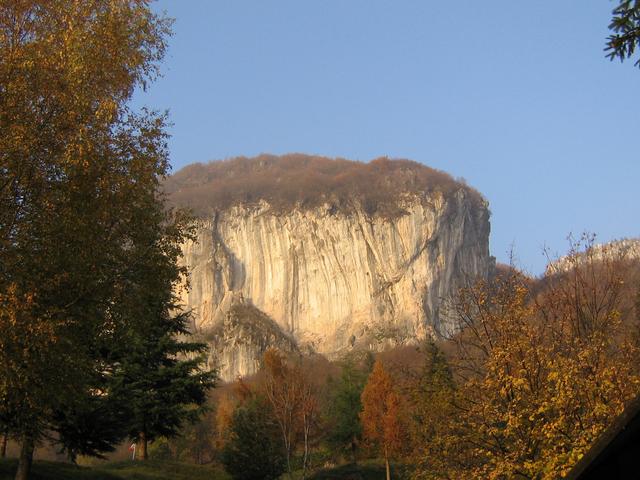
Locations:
{"points": [[308, 181]]}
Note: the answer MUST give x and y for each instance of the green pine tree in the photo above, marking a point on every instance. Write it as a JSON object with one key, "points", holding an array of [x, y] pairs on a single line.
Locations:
{"points": [[346, 405], [254, 450], [163, 381], [625, 28]]}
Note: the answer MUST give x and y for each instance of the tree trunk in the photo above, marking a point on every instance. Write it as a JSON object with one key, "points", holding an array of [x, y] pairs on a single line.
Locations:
{"points": [[305, 458], [26, 458], [386, 464], [3, 447], [142, 453], [289, 465], [287, 448]]}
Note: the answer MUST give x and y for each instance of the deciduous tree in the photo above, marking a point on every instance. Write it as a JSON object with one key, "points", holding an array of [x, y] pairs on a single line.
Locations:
{"points": [[308, 417], [541, 369], [293, 400], [381, 414], [282, 388], [79, 174]]}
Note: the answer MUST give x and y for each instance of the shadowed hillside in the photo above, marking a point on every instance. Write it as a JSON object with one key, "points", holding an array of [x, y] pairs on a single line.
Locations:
{"points": [[307, 181]]}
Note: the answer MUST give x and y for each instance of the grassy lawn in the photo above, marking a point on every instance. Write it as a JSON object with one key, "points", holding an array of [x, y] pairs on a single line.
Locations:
{"points": [[367, 470], [150, 470], [165, 470]]}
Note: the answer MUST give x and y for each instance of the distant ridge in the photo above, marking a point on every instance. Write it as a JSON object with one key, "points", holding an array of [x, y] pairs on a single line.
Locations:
{"points": [[305, 181]]}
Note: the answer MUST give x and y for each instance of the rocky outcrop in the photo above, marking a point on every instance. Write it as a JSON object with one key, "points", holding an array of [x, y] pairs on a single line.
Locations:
{"points": [[627, 249], [237, 341], [327, 280]]}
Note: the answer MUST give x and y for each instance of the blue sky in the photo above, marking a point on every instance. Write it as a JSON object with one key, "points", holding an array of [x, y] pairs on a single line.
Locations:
{"points": [[515, 97]]}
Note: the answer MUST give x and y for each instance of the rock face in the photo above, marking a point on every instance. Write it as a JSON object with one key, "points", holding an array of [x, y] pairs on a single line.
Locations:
{"points": [[238, 340], [329, 280]]}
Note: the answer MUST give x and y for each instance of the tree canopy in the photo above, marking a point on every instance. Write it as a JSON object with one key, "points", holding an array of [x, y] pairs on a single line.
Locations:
{"points": [[381, 414], [541, 370], [81, 218], [254, 450]]}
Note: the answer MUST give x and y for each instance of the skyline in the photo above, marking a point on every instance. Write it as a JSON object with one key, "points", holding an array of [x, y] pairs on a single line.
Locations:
{"points": [[519, 100]]}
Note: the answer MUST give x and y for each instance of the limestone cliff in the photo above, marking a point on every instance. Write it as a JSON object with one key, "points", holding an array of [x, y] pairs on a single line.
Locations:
{"points": [[330, 279]]}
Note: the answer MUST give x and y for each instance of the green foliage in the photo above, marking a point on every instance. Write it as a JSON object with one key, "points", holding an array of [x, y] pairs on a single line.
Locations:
{"points": [[55, 471], [196, 441], [431, 411], [87, 248], [91, 425], [160, 449], [152, 381], [625, 24], [345, 407], [433, 392], [160, 377], [254, 450]]}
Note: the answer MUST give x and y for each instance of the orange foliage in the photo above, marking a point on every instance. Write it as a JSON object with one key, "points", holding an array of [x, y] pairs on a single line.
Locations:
{"points": [[381, 413]]}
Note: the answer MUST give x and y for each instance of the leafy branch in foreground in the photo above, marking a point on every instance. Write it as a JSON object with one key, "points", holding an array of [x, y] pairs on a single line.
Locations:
{"points": [[625, 24]]}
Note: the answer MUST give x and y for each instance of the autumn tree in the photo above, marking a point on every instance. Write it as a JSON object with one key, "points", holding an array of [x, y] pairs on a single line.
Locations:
{"points": [[309, 416], [588, 304], [293, 399], [225, 407], [281, 388], [79, 174], [499, 365], [541, 369], [381, 414]]}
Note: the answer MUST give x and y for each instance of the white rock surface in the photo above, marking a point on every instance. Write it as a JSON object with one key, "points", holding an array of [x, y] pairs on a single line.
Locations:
{"points": [[332, 281]]}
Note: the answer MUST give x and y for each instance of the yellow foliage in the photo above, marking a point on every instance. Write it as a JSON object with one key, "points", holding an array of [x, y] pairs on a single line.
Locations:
{"points": [[539, 375]]}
